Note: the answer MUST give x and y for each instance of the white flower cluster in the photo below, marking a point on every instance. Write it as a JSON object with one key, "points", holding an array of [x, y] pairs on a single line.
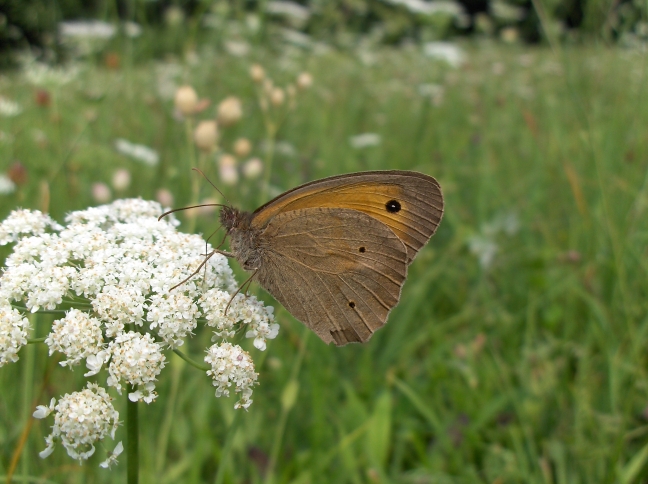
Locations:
{"points": [[230, 364], [77, 335], [80, 419], [111, 268], [13, 333]]}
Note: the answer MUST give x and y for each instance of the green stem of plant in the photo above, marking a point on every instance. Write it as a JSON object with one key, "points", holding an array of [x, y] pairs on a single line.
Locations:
{"points": [[271, 134], [231, 432], [195, 182], [195, 364], [285, 410], [132, 442]]}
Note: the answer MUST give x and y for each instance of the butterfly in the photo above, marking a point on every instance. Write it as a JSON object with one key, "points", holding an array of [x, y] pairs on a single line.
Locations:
{"points": [[335, 252]]}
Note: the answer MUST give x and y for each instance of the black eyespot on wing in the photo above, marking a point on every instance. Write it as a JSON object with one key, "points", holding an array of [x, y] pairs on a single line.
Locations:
{"points": [[393, 206], [362, 250], [351, 304]]}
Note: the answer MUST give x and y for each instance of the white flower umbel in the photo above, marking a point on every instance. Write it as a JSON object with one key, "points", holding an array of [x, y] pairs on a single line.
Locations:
{"points": [[80, 419], [77, 335], [135, 359], [13, 333], [231, 365], [108, 274]]}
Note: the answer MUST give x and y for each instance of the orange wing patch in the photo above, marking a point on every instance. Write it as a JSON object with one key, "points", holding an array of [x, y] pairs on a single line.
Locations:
{"points": [[412, 209]]}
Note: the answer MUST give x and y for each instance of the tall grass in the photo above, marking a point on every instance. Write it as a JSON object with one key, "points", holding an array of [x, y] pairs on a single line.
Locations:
{"points": [[529, 366]]}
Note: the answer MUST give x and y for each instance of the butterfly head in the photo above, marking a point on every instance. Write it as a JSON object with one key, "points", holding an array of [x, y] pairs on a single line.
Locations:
{"points": [[232, 218]]}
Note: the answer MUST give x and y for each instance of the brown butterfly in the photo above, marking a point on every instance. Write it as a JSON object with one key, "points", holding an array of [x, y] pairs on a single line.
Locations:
{"points": [[335, 251]]}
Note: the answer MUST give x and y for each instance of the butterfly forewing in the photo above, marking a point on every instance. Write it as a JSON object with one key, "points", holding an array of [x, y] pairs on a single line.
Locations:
{"points": [[338, 271], [409, 203]]}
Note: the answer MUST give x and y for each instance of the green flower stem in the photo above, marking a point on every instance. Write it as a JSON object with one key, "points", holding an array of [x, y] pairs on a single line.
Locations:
{"points": [[195, 182], [132, 442], [231, 432], [32, 341], [200, 366], [287, 404]]}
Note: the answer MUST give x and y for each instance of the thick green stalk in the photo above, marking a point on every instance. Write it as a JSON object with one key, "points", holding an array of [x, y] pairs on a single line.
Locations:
{"points": [[132, 442]]}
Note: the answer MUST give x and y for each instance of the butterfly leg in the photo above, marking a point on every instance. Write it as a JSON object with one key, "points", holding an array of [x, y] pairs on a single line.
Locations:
{"points": [[209, 256], [248, 280]]}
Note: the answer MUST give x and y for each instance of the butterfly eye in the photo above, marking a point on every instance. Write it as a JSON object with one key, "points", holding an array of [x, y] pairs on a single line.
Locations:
{"points": [[393, 206], [362, 250], [351, 304]]}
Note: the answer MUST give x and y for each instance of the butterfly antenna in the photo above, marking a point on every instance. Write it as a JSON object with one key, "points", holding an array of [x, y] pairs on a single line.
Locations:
{"points": [[249, 280], [192, 206], [210, 182]]}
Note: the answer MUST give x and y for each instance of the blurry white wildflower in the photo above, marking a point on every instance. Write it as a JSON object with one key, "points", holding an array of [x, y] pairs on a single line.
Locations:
{"points": [[13, 333], [132, 29], [445, 51], [236, 48], [9, 108], [112, 456], [174, 16], [434, 91], [297, 15], [7, 186], [506, 11], [365, 140], [436, 7], [257, 73], [484, 249], [123, 262], [510, 35], [142, 153], [80, 419], [297, 38], [85, 37], [164, 196], [101, 193], [86, 29], [41, 74], [484, 245], [121, 179], [231, 365], [252, 168], [227, 169]]}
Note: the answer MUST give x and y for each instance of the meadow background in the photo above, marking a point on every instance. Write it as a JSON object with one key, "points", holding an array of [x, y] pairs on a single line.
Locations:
{"points": [[518, 351]]}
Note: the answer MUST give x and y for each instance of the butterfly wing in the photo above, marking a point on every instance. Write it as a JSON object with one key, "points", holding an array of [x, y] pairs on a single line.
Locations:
{"points": [[338, 271], [409, 203]]}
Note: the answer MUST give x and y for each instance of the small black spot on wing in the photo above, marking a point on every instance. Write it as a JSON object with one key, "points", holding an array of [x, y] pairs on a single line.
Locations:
{"points": [[352, 304], [393, 206], [362, 250]]}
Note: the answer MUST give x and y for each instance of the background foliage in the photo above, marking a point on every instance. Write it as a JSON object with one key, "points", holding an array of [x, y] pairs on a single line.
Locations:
{"points": [[517, 353]]}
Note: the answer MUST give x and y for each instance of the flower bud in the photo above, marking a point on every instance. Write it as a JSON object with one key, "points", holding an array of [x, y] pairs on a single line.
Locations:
{"points": [[206, 135], [242, 147], [101, 192], [227, 169], [186, 100], [277, 97], [257, 73], [17, 173], [165, 197], [252, 168], [229, 111], [304, 80], [121, 179]]}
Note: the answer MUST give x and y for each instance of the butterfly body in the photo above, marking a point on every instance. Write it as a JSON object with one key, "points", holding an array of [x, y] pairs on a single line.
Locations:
{"points": [[335, 252]]}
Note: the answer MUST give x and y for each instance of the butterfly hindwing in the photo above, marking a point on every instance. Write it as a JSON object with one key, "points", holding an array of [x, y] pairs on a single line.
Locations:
{"points": [[338, 271]]}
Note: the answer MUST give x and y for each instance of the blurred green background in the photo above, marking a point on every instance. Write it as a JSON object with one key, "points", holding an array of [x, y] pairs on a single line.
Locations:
{"points": [[518, 351]]}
